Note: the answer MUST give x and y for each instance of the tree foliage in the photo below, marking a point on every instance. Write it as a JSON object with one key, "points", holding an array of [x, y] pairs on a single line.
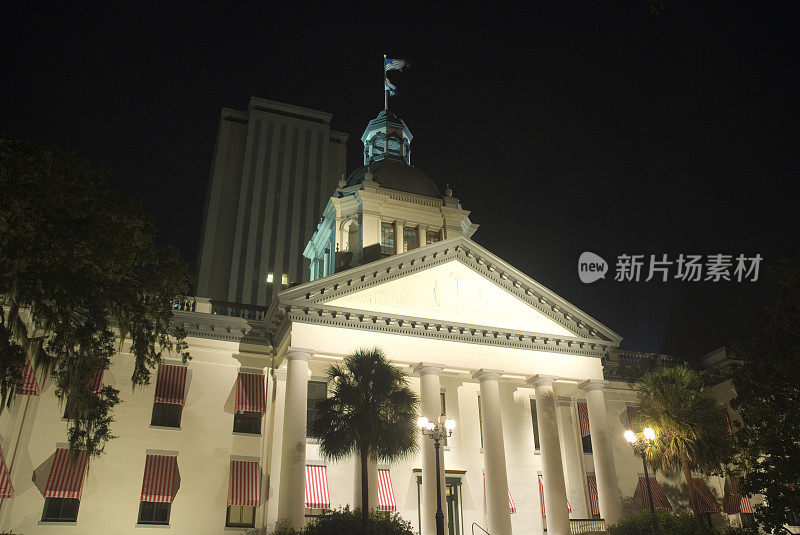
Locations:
{"points": [[767, 399], [79, 272], [691, 434], [371, 412], [670, 524]]}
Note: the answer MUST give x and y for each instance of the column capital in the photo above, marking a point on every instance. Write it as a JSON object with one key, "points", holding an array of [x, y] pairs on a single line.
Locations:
{"points": [[487, 375], [592, 384], [299, 353], [541, 380], [428, 368], [563, 401]]}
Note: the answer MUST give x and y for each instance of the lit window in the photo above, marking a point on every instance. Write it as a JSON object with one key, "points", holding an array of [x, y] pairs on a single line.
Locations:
{"points": [[269, 278], [434, 236], [285, 279], [410, 238], [387, 238], [241, 516]]}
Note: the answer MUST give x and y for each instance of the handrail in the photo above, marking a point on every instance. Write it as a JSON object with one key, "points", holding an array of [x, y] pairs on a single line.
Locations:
{"points": [[480, 528]]}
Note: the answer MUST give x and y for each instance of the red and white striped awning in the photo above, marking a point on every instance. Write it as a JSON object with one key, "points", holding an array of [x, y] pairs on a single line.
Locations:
{"points": [[386, 501], [28, 386], [170, 384], [250, 392], [659, 498], [583, 418], [632, 411], [317, 496], [245, 484], [733, 502], [66, 476], [594, 501], [541, 495], [727, 415], [160, 478], [705, 498], [97, 382], [512, 507], [6, 488]]}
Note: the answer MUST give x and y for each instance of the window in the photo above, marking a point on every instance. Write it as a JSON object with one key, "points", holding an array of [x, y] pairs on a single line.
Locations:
{"points": [[387, 239], [535, 420], [240, 516], [317, 390], [166, 414], [60, 510], [410, 238], [480, 420], [270, 278], [587, 443], [433, 236], [154, 513], [285, 279], [247, 422]]}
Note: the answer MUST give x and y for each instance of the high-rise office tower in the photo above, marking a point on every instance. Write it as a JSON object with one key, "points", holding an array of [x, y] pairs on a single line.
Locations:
{"points": [[275, 166]]}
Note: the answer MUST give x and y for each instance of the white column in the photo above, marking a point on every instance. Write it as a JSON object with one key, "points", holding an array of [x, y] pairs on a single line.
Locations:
{"points": [[431, 407], [372, 482], [576, 484], [607, 486], [494, 454], [291, 501], [555, 493]]}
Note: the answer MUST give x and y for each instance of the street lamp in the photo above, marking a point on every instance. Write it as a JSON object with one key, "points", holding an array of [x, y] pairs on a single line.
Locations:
{"points": [[438, 431], [639, 444]]}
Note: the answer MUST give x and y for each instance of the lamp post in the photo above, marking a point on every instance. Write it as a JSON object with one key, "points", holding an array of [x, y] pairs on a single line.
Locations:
{"points": [[639, 444], [438, 431]]}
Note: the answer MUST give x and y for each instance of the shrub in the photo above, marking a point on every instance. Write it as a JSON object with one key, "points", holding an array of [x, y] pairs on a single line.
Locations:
{"points": [[345, 520], [670, 524]]}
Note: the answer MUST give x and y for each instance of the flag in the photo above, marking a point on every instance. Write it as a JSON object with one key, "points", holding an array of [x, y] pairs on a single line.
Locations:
{"points": [[389, 86], [390, 64]]}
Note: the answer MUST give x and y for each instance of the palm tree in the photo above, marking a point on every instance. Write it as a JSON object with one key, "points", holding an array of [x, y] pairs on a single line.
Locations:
{"points": [[689, 423], [371, 411]]}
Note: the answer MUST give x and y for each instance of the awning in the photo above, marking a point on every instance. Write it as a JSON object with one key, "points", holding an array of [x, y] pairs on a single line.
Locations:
{"points": [[386, 500], [705, 498], [28, 386], [632, 411], [6, 488], [727, 416], [160, 478], [170, 384], [250, 392], [594, 501], [66, 476], [317, 496], [733, 502], [659, 498], [245, 484], [541, 495], [97, 383], [583, 418]]}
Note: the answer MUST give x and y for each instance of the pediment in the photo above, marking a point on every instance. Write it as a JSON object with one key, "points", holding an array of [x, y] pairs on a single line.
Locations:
{"points": [[452, 292], [451, 282]]}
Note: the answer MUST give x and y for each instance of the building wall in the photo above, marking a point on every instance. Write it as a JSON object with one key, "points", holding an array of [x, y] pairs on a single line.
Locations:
{"points": [[274, 168]]}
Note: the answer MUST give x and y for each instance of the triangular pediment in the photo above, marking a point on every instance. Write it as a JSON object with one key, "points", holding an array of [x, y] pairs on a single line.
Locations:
{"points": [[451, 282], [452, 292]]}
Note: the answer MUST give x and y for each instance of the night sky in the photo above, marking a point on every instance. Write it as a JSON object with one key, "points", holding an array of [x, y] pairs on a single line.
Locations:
{"points": [[592, 126]]}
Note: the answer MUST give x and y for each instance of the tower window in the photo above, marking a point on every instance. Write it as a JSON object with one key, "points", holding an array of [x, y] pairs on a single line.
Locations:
{"points": [[270, 278], [285, 279], [410, 238], [433, 236], [387, 238]]}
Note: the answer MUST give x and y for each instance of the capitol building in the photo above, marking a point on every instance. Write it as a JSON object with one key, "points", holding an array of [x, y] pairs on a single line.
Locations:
{"points": [[302, 263]]}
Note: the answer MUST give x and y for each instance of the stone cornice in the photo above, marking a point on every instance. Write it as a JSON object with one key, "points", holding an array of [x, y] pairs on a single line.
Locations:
{"points": [[219, 327], [470, 254], [436, 329]]}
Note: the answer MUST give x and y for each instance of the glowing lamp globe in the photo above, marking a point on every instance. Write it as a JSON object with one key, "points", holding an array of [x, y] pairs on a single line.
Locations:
{"points": [[649, 434], [630, 436]]}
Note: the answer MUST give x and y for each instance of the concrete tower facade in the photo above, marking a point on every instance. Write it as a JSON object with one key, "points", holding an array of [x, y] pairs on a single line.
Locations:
{"points": [[275, 166]]}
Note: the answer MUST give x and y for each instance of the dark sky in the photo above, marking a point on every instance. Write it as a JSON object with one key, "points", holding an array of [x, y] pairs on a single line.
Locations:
{"points": [[569, 127]]}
